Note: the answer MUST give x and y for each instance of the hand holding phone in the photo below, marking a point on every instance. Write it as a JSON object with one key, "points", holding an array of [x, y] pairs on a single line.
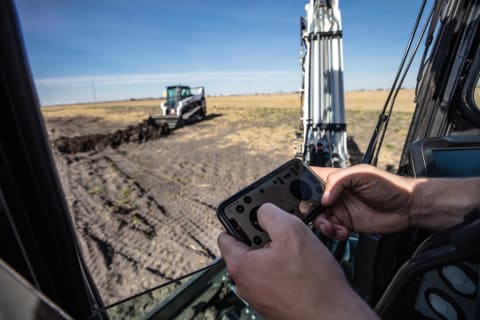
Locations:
{"points": [[293, 187]]}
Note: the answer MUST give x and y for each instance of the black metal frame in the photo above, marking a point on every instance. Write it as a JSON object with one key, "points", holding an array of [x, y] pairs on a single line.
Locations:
{"points": [[443, 108], [470, 108], [442, 95], [36, 230]]}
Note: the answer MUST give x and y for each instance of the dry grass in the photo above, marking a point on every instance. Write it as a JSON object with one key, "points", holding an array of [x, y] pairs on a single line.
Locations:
{"points": [[354, 100], [287, 100], [265, 122], [260, 130], [374, 100]]}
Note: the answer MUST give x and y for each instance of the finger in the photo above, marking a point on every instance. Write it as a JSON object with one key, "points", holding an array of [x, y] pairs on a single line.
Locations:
{"points": [[341, 233], [331, 229], [323, 172], [274, 220], [230, 248], [352, 177], [337, 182], [325, 226], [334, 220]]}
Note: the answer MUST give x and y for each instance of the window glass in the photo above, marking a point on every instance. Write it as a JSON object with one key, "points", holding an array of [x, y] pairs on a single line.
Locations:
{"points": [[142, 199], [142, 202]]}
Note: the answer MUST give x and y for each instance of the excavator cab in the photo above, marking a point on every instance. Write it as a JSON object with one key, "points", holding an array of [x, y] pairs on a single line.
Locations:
{"points": [[411, 275]]}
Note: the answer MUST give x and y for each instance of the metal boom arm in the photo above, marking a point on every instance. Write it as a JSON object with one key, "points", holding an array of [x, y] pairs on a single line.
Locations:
{"points": [[324, 139]]}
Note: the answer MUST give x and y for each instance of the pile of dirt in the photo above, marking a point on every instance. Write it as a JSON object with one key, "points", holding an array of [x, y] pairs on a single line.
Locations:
{"points": [[139, 133]]}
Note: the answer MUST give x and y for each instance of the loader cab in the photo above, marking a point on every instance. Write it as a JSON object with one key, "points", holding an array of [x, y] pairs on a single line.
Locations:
{"points": [[175, 94]]}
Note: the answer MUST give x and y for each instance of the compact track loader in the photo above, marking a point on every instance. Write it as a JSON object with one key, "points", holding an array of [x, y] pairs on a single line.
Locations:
{"points": [[182, 105]]}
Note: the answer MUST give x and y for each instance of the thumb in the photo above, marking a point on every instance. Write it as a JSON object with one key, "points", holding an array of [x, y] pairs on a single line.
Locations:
{"points": [[323, 172], [276, 222], [230, 248]]}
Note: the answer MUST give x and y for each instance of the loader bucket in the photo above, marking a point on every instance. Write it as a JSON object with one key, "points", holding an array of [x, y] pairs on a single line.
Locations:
{"points": [[172, 122]]}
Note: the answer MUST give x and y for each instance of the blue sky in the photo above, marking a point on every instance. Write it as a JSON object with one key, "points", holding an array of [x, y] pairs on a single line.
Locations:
{"points": [[80, 51]]}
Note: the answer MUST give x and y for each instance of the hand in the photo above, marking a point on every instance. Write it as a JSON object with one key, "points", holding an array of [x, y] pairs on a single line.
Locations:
{"points": [[364, 199], [292, 277]]}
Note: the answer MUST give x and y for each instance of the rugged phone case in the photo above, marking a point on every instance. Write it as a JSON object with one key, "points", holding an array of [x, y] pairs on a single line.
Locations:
{"points": [[292, 187]]}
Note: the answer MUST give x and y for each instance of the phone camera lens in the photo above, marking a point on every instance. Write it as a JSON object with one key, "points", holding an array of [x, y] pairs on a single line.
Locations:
{"points": [[257, 240], [247, 199], [240, 208]]}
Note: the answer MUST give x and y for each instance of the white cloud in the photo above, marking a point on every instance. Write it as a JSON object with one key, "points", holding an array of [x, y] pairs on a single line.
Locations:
{"points": [[168, 77]]}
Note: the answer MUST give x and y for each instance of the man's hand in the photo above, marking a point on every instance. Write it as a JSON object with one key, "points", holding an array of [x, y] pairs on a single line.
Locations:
{"points": [[292, 277], [369, 200], [364, 199]]}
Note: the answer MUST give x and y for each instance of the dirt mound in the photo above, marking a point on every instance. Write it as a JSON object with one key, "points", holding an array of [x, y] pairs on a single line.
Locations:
{"points": [[142, 132]]}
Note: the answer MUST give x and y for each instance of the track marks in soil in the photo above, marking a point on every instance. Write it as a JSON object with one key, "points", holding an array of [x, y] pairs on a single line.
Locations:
{"points": [[141, 190], [145, 212], [135, 223], [159, 273], [208, 205], [106, 249]]}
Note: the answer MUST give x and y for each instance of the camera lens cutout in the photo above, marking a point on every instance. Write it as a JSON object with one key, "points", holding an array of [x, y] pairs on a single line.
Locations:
{"points": [[257, 240], [301, 190], [247, 199], [240, 208]]}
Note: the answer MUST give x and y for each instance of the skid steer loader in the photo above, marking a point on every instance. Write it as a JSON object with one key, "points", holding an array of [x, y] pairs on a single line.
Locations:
{"points": [[182, 105]]}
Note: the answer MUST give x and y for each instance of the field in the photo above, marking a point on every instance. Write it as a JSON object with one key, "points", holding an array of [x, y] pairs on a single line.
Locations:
{"points": [[144, 210]]}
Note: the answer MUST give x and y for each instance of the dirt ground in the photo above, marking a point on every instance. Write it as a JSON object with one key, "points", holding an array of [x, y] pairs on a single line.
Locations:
{"points": [[145, 212], [144, 201]]}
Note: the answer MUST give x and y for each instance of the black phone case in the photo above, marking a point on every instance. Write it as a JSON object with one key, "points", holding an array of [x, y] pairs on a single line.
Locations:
{"points": [[292, 187]]}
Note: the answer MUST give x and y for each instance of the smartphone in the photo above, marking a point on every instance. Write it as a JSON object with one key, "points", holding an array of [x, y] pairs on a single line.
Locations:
{"points": [[292, 187]]}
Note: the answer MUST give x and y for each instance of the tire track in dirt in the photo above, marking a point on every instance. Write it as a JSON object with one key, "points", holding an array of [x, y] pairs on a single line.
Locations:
{"points": [[104, 238], [179, 218], [145, 212], [108, 198], [143, 191]]}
